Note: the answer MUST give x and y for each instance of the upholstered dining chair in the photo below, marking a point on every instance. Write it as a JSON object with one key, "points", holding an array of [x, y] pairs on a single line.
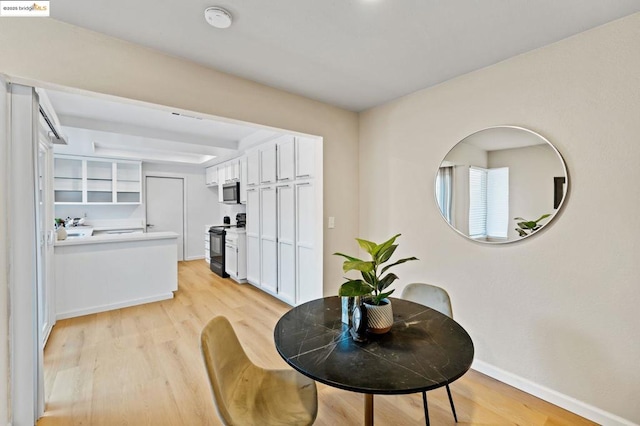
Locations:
{"points": [[245, 394], [435, 298]]}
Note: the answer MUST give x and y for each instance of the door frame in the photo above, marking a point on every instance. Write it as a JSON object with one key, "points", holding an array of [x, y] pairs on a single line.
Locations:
{"points": [[185, 226], [25, 344]]}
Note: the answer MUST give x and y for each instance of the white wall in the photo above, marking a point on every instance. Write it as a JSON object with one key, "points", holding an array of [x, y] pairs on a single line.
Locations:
{"points": [[201, 201], [560, 309]]}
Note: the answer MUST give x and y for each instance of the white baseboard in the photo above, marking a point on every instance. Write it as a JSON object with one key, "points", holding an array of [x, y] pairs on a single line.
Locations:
{"points": [[193, 258], [561, 400], [112, 306]]}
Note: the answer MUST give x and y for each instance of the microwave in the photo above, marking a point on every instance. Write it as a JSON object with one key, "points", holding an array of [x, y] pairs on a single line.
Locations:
{"points": [[231, 193]]}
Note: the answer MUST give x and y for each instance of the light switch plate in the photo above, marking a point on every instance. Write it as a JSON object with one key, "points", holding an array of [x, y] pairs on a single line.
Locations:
{"points": [[332, 222]]}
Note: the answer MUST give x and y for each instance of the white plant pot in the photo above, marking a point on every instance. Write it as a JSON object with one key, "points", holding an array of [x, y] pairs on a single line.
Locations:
{"points": [[379, 317]]}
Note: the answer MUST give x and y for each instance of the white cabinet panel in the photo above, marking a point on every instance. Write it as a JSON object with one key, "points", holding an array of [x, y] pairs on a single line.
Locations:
{"points": [[253, 259], [211, 176], [308, 286], [268, 247], [253, 168], [268, 212], [269, 265], [287, 272], [286, 214], [231, 259], [286, 244], [305, 157], [253, 212], [268, 164], [285, 146], [305, 214]]}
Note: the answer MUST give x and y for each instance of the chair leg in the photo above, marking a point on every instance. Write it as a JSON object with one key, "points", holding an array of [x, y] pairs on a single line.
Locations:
{"points": [[453, 408], [426, 409]]}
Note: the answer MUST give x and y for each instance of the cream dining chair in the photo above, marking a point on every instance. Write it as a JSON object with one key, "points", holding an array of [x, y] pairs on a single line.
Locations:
{"points": [[435, 298], [245, 394]]}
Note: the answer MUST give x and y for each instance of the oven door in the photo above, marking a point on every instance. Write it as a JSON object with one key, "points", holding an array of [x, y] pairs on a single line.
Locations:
{"points": [[216, 252]]}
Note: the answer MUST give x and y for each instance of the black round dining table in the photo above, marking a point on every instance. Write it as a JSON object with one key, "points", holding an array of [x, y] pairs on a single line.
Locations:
{"points": [[424, 350]]}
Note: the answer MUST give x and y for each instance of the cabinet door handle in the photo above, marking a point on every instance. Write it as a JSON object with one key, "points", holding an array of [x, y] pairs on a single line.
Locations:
{"points": [[303, 176], [286, 178], [303, 183]]}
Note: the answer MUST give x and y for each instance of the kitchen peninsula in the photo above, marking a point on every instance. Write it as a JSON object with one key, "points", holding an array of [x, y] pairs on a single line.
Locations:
{"points": [[105, 272]]}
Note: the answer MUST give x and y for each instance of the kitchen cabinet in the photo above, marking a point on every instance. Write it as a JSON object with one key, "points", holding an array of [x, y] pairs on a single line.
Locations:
{"points": [[92, 180], [285, 149], [232, 171], [268, 240], [253, 168], [253, 236], [236, 254], [243, 179], [286, 243], [268, 163], [211, 176], [283, 256], [305, 158], [207, 244], [308, 287]]}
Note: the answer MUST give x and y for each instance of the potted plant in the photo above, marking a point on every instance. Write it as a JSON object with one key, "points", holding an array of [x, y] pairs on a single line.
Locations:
{"points": [[374, 282], [528, 227]]}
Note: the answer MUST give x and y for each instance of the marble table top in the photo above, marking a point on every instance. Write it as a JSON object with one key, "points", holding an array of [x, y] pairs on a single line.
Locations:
{"points": [[424, 349]]}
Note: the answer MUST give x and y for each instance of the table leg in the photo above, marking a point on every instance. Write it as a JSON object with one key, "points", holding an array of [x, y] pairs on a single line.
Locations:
{"points": [[368, 409]]}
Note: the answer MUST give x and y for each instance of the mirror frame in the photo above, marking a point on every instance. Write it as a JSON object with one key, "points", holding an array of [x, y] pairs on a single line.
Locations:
{"points": [[550, 219]]}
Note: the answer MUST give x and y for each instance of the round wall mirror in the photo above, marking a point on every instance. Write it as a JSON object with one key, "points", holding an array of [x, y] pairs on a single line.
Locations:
{"points": [[501, 184]]}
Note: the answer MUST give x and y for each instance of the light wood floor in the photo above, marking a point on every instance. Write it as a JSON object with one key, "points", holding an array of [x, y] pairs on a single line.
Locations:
{"points": [[142, 366]]}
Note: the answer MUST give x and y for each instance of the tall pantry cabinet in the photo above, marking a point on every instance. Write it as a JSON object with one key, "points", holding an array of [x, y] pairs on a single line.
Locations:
{"points": [[281, 219]]}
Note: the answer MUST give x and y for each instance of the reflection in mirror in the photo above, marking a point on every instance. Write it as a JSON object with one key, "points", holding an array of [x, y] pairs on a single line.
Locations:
{"points": [[501, 184]]}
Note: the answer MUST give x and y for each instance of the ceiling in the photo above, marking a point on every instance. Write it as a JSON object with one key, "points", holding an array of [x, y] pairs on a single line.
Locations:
{"points": [[354, 54], [97, 126]]}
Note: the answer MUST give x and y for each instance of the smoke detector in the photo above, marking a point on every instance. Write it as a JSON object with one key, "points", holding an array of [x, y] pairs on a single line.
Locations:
{"points": [[218, 17]]}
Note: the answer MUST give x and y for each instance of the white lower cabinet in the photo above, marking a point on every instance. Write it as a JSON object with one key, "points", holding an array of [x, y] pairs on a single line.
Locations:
{"points": [[236, 254], [207, 242], [253, 260]]}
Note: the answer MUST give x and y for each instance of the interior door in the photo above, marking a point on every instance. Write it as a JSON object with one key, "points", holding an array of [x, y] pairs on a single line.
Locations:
{"points": [[46, 237], [165, 207]]}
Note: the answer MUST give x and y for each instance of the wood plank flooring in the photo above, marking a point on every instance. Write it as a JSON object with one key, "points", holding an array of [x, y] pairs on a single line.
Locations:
{"points": [[142, 366]]}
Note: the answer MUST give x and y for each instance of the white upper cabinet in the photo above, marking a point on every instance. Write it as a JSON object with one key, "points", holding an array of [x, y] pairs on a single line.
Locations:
{"points": [[253, 168], [285, 146], [92, 180], [211, 176], [268, 163], [305, 158]]}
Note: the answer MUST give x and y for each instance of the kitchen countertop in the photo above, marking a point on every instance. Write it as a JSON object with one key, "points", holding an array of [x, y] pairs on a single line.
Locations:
{"points": [[116, 238]]}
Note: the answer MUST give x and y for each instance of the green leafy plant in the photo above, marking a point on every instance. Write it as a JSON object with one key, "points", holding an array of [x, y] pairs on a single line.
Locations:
{"points": [[528, 227], [373, 283]]}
